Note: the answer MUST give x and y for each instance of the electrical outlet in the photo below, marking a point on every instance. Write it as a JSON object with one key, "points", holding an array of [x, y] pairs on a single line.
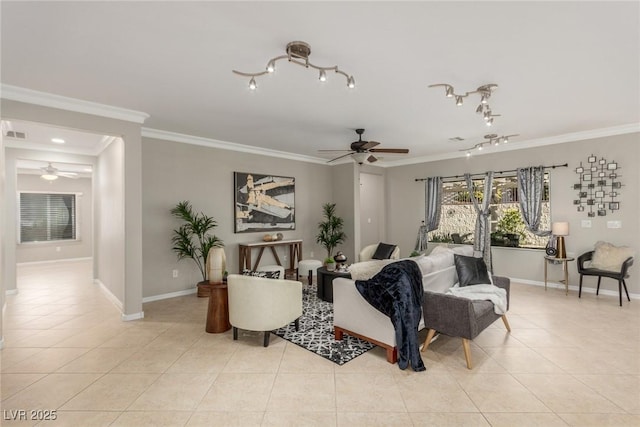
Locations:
{"points": [[175, 273], [614, 224], [586, 223]]}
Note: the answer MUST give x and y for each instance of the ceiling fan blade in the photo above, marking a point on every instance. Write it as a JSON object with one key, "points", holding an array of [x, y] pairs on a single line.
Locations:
{"points": [[71, 175], [390, 150], [369, 144], [332, 151], [372, 159], [339, 157]]}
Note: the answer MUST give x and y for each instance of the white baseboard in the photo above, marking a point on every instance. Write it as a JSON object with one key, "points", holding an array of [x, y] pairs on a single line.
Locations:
{"points": [[170, 295], [134, 316], [585, 289], [11, 292], [110, 296], [53, 261]]}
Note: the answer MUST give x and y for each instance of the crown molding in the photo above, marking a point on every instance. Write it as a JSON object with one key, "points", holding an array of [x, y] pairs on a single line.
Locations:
{"points": [[20, 94], [531, 143], [232, 146]]}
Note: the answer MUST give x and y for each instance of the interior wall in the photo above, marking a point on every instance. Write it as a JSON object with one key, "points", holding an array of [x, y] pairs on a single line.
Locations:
{"points": [[109, 219], [131, 259], [51, 251], [3, 227], [173, 172], [346, 196], [405, 202]]}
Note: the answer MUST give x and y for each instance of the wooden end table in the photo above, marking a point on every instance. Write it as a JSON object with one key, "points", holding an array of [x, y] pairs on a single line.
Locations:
{"points": [[218, 311]]}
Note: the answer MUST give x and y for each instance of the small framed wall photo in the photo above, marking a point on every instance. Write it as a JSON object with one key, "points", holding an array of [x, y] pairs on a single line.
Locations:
{"points": [[612, 166], [580, 208], [576, 202], [600, 194], [583, 194], [602, 161], [613, 194], [586, 177], [577, 186], [579, 169], [614, 206], [601, 206], [602, 182], [591, 159], [591, 214], [594, 168], [601, 175], [616, 184], [602, 212], [613, 175], [591, 185], [591, 202]]}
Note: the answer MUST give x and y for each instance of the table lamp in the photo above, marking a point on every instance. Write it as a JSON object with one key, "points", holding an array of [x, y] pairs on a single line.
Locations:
{"points": [[560, 229]]}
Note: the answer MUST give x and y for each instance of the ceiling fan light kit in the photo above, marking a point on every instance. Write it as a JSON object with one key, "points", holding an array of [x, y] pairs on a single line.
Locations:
{"points": [[297, 53], [51, 173], [360, 151]]}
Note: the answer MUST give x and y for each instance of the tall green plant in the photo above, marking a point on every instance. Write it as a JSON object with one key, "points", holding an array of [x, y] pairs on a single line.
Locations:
{"points": [[192, 238], [330, 233], [511, 222]]}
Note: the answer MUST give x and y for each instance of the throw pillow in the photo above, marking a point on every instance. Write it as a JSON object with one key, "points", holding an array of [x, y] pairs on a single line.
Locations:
{"points": [[471, 270], [263, 274], [609, 257], [383, 251]]}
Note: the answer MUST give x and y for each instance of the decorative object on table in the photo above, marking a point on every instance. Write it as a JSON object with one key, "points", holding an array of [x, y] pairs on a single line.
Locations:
{"points": [[267, 238], [598, 188], [330, 264], [263, 203], [340, 260], [193, 239], [560, 229], [298, 52], [216, 264], [550, 249], [330, 233], [316, 332]]}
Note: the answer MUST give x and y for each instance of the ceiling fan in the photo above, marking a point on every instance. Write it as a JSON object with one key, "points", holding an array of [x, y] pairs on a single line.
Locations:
{"points": [[51, 173], [360, 149]]}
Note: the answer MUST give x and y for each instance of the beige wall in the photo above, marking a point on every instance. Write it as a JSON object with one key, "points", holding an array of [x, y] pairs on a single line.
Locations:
{"points": [[172, 172], [405, 201], [3, 227], [47, 251]]}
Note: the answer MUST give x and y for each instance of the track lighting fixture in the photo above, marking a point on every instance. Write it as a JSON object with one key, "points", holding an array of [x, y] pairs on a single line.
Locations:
{"points": [[490, 139], [484, 91], [298, 53]]}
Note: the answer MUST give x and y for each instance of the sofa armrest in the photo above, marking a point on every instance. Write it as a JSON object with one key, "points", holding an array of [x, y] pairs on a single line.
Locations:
{"points": [[448, 314], [504, 283]]}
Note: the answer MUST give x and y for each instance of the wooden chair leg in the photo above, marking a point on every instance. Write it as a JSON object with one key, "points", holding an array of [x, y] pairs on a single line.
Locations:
{"points": [[467, 352], [430, 335], [580, 288], [267, 334], [297, 324], [506, 322], [235, 333], [620, 292], [598, 288]]}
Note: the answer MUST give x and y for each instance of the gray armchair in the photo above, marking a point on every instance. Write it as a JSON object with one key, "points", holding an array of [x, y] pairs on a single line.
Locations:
{"points": [[461, 317]]}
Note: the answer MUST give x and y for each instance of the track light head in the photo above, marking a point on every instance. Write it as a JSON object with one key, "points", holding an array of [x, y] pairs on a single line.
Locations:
{"points": [[490, 121], [351, 82], [271, 66], [252, 84], [458, 100], [448, 91], [323, 76]]}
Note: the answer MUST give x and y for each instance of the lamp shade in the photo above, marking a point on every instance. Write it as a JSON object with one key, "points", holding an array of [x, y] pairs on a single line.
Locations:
{"points": [[560, 229]]}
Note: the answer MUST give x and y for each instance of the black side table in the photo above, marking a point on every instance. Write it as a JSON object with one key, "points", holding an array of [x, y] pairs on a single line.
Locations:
{"points": [[325, 282]]}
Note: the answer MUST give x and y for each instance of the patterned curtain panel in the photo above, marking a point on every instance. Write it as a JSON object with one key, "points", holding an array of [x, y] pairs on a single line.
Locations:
{"points": [[482, 236], [530, 192], [433, 202]]}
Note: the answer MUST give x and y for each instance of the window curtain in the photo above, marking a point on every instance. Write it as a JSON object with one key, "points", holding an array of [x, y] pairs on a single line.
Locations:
{"points": [[433, 202], [482, 236], [530, 192]]}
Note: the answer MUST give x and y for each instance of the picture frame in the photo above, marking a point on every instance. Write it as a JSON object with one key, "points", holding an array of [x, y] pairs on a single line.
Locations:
{"points": [[591, 214], [586, 177], [613, 175], [602, 161], [577, 186], [263, 202], [613, 194], [599, 194], [614, 206], [602, 212], [601, 206], [594, 168], [601, 175], [580, 208], [583, 194], [591, 202], [592, 159], [579, 169], [592, 185], [576, 202], [616, 184], [612, 166], [602, 182]]}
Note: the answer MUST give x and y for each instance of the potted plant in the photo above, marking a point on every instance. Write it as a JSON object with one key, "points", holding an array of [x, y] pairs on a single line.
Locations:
{"points": [[330, 233], [330, 264], [511, 227], [193, 239]]}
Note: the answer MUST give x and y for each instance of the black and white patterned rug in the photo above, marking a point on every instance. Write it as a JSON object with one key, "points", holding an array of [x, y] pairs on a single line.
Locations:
{"points": [[316, 331]]}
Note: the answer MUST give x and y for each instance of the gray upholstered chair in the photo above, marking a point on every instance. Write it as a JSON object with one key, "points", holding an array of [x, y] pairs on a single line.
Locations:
{"points": [[460, 317]]}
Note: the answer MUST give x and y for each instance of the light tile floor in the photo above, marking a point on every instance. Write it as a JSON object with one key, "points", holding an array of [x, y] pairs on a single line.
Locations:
{"points": [[568, 361]]}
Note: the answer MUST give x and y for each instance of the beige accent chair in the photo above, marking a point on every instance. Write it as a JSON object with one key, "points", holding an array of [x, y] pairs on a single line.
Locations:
{"points": [[261, 304], [367, 252]]}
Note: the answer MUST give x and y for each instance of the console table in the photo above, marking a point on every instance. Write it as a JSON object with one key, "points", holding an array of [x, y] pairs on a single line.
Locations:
{"points": [[563, 261], [294, 247]]}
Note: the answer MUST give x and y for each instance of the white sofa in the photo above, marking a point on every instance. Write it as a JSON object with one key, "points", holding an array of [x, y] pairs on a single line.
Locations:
{"points": [[353, 315]]}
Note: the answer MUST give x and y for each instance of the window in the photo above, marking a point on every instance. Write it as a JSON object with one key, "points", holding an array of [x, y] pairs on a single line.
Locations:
{"points": [[458, 216], [46, 217]]}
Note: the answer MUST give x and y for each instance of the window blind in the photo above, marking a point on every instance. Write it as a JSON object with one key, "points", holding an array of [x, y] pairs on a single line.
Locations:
{"points": [[47, 217]]}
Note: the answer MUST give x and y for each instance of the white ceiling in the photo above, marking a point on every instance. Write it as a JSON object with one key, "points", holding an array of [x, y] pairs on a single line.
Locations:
{"points": [[563, 68]]}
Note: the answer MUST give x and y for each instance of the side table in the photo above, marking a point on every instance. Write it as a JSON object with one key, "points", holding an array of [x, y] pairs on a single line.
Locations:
{"points": [[563, 261], [218, 311], [325, 282]]}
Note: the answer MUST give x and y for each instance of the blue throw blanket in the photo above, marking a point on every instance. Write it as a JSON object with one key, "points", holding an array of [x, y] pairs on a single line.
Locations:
{"points": [[397, 292]]}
